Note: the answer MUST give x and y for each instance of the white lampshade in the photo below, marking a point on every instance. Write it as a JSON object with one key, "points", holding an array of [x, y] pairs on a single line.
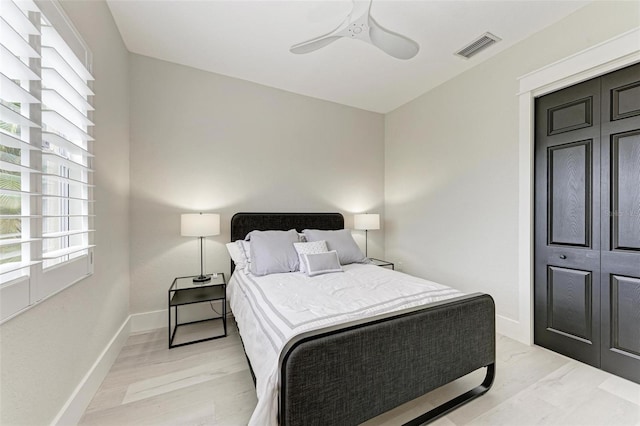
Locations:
{"points": [[366, 221], [199, 224]]}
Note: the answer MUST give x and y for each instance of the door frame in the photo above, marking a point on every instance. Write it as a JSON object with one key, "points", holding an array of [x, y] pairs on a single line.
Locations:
{"points": [[615, 53]]}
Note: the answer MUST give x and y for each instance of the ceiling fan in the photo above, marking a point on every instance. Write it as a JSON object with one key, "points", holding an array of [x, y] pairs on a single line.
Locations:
{"points": [[360, 25]]}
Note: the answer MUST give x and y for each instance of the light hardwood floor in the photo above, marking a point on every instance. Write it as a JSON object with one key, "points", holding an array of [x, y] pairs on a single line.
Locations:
{"points": [[209, 384]]}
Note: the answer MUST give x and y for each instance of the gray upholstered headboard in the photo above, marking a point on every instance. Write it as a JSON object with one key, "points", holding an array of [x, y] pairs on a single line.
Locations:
{"points": [[243, 223]]}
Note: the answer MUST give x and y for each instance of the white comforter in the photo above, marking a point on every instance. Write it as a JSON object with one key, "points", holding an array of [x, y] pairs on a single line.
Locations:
{"points": [[272, 309]]}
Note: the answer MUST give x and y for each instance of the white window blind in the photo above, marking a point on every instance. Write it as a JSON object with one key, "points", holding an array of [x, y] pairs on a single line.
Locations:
{"points": [[46, 176]]}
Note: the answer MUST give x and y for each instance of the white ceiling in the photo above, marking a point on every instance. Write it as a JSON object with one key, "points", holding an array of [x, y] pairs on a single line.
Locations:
{"points": [[250, 40]]}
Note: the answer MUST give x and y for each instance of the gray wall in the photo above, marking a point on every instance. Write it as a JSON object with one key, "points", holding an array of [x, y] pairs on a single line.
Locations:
{"points": [[206, 142], [47, 350], [451, 162]]}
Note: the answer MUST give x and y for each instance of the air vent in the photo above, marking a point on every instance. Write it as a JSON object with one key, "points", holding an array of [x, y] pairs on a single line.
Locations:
{"points": [[481, 43]]}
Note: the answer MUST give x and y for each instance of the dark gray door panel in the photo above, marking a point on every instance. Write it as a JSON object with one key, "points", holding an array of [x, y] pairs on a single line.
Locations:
{"points": [[587, 226], [567, 210], [620, 227]]}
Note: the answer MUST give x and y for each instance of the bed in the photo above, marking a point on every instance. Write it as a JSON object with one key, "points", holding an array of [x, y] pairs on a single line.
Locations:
{"points": [[348, 372]]}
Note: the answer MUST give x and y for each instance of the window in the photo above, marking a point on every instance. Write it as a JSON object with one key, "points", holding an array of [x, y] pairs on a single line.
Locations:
{"points": [[46, 176]]}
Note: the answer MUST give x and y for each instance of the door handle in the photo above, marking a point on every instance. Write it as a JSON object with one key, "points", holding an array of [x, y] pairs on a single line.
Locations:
{"points": [[562, 256]]}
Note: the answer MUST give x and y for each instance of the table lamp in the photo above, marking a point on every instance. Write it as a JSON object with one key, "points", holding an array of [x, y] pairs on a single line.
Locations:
{"points": [[366, 222], [200, 225]]}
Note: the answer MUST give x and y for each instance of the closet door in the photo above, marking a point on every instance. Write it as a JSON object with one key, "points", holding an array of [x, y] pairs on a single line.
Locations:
{"points": [[567, 224], [620, 213]]}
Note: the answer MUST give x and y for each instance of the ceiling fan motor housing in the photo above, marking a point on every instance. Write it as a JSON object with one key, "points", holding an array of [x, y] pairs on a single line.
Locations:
{"points": [[359, 29]]}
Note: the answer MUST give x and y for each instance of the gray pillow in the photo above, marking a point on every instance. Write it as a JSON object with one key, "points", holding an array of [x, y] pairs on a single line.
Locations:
{"points": [[341, 241], [321, 263], [272, 252]]}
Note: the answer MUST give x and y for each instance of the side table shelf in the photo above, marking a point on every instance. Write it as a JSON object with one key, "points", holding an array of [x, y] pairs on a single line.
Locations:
{"points": [[184, 291]]}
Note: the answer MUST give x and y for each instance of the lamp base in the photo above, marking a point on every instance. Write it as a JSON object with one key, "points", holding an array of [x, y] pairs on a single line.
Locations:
{"points": [[201, 279]]}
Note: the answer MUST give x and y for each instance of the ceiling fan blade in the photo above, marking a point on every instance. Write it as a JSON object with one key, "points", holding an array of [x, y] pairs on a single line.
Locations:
{"points": [[393, 44], [314, 44], [359, 8], [320, 41]]}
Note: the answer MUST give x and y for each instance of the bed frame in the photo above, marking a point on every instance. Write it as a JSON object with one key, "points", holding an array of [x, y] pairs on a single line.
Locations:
{"points": [[352, 372]]}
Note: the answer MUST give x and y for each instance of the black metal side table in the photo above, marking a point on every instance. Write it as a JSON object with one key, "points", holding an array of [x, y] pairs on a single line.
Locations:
{"points": [[184, 291], [382, 263]]}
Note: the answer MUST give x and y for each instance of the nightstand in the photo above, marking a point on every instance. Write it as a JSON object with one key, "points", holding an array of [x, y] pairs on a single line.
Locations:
{"points": [[184, 291], [382, 263]]}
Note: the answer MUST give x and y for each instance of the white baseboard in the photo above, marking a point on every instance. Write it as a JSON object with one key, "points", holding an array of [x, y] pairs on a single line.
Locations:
{"points": [[510, 328], [146, 321], [152, 320], [79, 400], [74, 408]]}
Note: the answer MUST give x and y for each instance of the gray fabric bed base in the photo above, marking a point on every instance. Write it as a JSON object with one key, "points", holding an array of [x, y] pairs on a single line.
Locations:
{"points": [[347, 374]]}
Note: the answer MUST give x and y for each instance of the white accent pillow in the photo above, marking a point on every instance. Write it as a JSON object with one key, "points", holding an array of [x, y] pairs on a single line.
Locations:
{"points": [[321, 263], [314, 247], [240, 253], [237, 255]]}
